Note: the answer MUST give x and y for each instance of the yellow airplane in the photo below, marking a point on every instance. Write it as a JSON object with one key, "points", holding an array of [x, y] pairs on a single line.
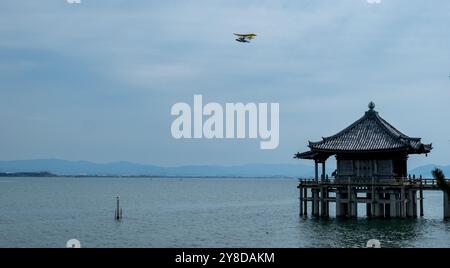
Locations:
{"points": [[245, 38]]}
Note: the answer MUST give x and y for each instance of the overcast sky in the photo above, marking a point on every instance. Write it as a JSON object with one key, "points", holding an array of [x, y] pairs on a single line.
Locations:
{"points": [[96, 81]]}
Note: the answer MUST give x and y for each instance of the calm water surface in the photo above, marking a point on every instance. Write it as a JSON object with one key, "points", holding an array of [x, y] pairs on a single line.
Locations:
{"points": [[159, 212]]}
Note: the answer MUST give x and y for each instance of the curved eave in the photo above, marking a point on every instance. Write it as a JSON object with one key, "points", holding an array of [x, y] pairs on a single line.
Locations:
{"points": [[312, 155], [390, 150], [422, 149]]}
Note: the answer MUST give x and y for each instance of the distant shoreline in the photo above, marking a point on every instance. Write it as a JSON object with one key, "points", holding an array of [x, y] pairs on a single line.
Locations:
{"points": [[49, 174]]}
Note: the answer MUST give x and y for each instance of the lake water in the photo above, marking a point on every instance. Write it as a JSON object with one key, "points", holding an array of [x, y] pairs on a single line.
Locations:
{"points": [[160, 212]]}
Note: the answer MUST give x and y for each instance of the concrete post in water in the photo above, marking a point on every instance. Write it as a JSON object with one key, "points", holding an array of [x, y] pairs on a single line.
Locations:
{"points": [[349, 200], [316, 207], [369, 205], [379, 206], [314, 192], [446, 205], [340, 211], [327, 203], [305, 202], [323, 171], [316, 170], [323, 209], [354, 204], [373, 202], [410, 204], [301, 199], [421, 197], [393, 205], [322, 202], [403, 202]]}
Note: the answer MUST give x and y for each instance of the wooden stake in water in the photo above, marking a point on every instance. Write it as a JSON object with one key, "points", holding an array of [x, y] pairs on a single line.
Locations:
{"points": [[118, 213]]}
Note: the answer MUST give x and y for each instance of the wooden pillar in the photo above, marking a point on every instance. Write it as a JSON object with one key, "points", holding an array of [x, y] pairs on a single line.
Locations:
{"points": [[305, 202], [322, 193], [327, 203], [314, 205], [387, 204], [410, 204], [373, 203], [323, 171], [340, 209], [369, 205], [393, 205], [403, 203], [446, 206], [301, 199], [316, 208], [421, 198], [322, 201], [379, 206], [324, 208], [316, 170], [354, 203], [349, 200]]}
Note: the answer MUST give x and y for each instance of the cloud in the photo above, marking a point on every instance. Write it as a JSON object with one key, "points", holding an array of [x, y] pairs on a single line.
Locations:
{"points": [[319, 59], [153, 76], [374, 1], [74, 1]]}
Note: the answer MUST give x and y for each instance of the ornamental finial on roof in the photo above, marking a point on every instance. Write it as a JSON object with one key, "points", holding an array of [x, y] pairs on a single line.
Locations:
{"points": [[371, 105]]}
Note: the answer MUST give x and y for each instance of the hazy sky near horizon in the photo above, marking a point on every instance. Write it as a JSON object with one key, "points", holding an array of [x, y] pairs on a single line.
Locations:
{"points": [[96, 81]]}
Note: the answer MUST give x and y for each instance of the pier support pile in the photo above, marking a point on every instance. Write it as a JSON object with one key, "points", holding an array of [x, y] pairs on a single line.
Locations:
{"points": [[394, 199]]}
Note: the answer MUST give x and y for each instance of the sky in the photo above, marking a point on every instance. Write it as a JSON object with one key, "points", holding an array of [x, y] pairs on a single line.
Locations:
{"points": [[96, 80]]}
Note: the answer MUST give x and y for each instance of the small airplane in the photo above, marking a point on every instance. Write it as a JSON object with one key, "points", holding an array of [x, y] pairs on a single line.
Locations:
{"points": [[245, 38]]}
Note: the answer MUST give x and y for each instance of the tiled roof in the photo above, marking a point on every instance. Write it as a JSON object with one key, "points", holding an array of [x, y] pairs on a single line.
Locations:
{"points": [[370, 133]]}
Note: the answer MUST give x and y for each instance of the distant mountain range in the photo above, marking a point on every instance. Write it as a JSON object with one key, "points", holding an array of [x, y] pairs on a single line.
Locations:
{"points": [[74, 168], [425, 170], [64, 167]]}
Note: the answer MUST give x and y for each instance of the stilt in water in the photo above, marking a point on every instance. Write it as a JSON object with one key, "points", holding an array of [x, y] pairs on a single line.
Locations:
{"points": [[421, 197], [301, 201], [118, 212], [305, 203]]}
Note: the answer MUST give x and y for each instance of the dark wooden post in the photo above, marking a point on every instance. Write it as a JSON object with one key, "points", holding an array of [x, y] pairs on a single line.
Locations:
{"points": [[421, 197], [446, 206], [301, 198], [403, 202], [314, 192], [316, 170], [327, 203], [118, 213], [369, 204], [323, 171], [323, 211], [305, 202]]}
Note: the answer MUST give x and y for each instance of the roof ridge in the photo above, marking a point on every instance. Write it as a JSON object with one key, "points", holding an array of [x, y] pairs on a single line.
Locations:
{"points": [[388, 125], [385, 126]]}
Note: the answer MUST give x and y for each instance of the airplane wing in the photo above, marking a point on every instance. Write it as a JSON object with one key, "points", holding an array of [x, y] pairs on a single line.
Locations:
{"points": [[250, 36]]}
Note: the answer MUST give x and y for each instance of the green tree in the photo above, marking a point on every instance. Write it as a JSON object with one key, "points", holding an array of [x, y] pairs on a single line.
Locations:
{"points": [[440, 179]]}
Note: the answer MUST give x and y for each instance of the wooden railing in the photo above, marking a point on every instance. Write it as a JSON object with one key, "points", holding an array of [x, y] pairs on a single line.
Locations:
{"points": [[394, 181]]}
